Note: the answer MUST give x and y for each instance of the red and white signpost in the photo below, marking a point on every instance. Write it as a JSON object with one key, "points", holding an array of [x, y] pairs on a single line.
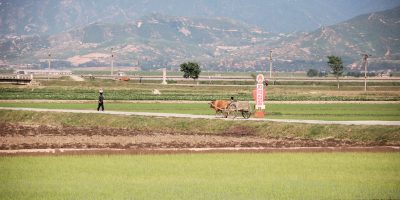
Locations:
{"points": [[258, 96]]}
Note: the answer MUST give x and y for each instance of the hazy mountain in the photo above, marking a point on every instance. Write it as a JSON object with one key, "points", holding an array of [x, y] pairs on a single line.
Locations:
{"points": [[156, 40], [22, 17], [153, 41], [377, 34]]}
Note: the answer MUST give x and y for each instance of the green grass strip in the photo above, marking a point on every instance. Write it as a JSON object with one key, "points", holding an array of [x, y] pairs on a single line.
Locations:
{"points": [[203, 176], [342, 112]]}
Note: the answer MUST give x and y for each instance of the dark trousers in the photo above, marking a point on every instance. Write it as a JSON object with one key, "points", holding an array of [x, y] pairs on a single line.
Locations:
{"points": [[100, 105]]}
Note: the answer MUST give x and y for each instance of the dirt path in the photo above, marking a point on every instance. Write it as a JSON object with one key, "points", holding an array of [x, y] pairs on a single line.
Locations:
{"points": [[382, 123]]}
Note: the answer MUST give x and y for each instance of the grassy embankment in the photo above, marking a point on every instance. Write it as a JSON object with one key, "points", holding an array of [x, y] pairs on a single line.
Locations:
{"points": [[203, 176], [387, 135], [388, 112]]}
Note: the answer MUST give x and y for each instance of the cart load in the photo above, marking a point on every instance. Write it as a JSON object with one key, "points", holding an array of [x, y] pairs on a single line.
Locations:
{"points": [[232, 109]]}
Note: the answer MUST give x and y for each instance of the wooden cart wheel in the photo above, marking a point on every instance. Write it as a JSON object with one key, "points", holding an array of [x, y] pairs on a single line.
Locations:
{"points": [[232, 111], [225, 113], [246, 114]]}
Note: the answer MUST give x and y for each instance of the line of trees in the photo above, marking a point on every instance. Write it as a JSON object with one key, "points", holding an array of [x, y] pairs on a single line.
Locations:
{"points": [[318, 73], [335, 63], [314, 73]]}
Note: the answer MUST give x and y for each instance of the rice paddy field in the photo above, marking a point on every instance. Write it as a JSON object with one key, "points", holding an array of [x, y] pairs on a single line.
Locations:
{"points": [[203, 176]]}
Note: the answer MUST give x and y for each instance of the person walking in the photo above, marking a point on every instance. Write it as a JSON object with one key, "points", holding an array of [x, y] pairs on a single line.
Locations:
{"points": [[101, 101], [232, 100]]}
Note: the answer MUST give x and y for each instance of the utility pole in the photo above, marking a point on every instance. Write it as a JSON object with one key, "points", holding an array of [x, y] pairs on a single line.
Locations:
{"points": [[270, 64], [365, 58], [48, 73], [112, 62]]}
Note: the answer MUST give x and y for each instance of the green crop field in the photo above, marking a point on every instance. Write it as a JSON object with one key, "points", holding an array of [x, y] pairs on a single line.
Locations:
{"points": [[65, 89], [203, 176], [389, 112]]}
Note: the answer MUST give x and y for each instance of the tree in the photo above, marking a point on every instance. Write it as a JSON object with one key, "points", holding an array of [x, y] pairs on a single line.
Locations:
{"points": [[191, 70], [322, 73], [312, 72], [336, 65]]}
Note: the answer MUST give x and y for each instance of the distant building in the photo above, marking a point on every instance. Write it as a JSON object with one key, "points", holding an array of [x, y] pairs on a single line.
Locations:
{"points": [[121, 74], [44, 72]]}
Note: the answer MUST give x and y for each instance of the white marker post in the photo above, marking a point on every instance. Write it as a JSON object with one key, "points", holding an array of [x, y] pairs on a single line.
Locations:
{"points": [[258, 96], [164, 77]]}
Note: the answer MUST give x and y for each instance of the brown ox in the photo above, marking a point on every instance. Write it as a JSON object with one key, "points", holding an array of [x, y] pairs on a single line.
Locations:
{"points": [[219, 105]]}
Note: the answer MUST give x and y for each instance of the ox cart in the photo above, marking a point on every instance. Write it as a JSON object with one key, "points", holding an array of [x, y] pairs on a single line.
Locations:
{"points": [[238, 107]]}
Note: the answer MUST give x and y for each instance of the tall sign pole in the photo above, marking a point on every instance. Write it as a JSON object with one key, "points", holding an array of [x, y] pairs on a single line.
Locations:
{"points": [[365, 58], [112, 61], [270, 64], [48, 73]]}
